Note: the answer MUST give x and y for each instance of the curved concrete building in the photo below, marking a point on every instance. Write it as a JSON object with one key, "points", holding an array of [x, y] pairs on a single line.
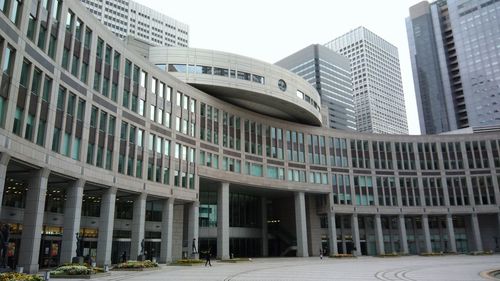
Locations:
{"points": [[255, 85], [96, 140]]}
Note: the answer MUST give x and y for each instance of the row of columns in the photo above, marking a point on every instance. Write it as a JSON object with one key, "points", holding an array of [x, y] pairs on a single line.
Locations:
{"points": [[223, 233], [34, 218], [34, 213], [379, 237], [106, 225]]}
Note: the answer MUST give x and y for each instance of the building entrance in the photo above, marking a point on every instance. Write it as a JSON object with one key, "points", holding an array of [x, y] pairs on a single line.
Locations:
{"points": [[152, 249], [120, 246], [50, 251]]}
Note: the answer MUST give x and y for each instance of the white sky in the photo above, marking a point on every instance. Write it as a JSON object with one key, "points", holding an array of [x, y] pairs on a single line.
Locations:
{"points": [[270, 30]]}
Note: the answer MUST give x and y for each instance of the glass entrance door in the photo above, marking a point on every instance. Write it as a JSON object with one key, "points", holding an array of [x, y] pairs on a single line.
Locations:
{"points": [[50, 251]]}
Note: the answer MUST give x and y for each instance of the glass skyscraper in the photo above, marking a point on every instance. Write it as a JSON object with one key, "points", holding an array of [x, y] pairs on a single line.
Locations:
{"points": [[376, 76], [455, 51], [330, 73], [129, 18]]}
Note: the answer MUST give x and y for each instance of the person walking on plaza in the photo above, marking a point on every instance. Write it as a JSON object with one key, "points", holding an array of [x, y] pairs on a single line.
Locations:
{"points": [[124, 256], [321, 253], [207, 257]]}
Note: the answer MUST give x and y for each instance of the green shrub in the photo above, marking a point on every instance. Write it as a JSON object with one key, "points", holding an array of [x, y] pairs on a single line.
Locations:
{"points": [[481, 253], [342, 256], [188, 261], [14, 276], [432, 254], [137, 264], [72, 270], [389, 255]]}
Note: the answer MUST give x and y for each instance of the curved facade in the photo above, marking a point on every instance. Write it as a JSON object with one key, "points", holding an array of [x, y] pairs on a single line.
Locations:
{"points": [[95, 140], [255, 85]]}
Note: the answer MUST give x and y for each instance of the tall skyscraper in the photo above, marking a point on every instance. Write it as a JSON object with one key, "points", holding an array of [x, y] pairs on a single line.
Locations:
{"points": [[125, 17], [455, 55], [330, 74], [376, 76]]}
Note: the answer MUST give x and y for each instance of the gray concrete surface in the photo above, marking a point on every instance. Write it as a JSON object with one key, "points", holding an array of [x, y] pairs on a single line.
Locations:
{"points": [[411, 268]]}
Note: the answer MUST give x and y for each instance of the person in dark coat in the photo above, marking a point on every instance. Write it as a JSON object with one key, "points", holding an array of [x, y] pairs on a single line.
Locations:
{"points": [[207, 257]]}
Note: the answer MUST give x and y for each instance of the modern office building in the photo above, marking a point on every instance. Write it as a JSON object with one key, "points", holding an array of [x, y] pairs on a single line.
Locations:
{"points": [[330, 74], [128, 18], [378, 91], [213, 148], [455, 55]]}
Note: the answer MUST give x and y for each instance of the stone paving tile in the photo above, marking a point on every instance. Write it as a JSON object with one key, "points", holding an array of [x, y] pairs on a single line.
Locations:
{"points": [[411, 268]]}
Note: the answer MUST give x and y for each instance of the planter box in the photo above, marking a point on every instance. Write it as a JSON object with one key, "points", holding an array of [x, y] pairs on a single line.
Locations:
{"points": [[343, 257], [136, 269], [187, 263], [236, 260], [92, 276]]}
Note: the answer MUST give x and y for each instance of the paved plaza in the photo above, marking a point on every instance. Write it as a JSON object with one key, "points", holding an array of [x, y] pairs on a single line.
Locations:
{"points": [[412, 268]]}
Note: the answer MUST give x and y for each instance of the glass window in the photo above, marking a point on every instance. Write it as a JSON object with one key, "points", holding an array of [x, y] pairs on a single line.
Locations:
{"points": [[244, 75], [30, 33], [107, 57], [143, 79], [8, 61], [25, 74], [116, 61], [221, 71], [88, 38], [154, 81], [14, 12], [78, 30], [100, 45], [70, 19]]}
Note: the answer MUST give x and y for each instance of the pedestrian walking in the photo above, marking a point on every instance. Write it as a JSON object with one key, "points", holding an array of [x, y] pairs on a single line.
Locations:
{"points": [[320, 253], [193, 246], [207, 257]]}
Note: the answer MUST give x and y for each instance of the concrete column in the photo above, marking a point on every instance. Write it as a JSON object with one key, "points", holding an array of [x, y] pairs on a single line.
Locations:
{"points": [[167, 222], [4, 162], [478, 243], [72, 216], [427, 234], [379, 235], [342, 234], [391, 236], [442, 244], [403, 239], [138, 222], [451, 234], [33, 221], [193, 227], [415, 233], [223, 222], [355, 234], [332, 227], [498, 232], [265, 245], [106, 224], [301, 225]]}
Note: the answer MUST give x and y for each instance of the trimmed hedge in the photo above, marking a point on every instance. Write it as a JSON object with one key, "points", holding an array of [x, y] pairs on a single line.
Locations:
{"points": [[342, 256], [137, 264], [73, 269], [14, 276], [188, 261]]}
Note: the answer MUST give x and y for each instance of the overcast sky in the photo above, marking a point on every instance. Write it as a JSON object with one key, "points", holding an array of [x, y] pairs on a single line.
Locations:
{"points": [[270, 30]]}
